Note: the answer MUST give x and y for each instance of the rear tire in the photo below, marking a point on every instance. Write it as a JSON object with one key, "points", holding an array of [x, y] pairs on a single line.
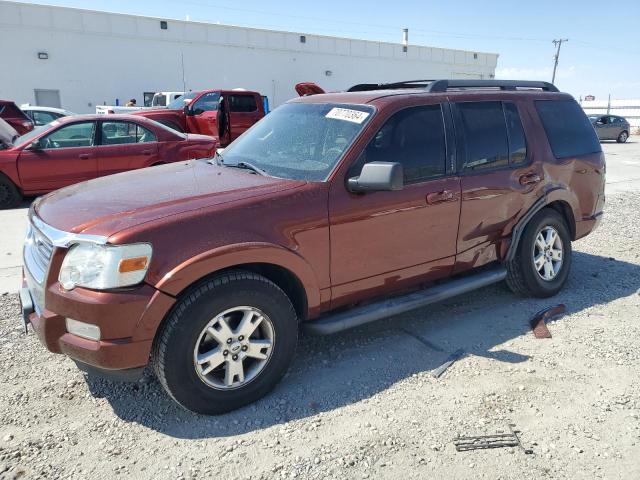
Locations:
{"points": [[623, 137], [543, 257], [9, 194], [201, 357]]}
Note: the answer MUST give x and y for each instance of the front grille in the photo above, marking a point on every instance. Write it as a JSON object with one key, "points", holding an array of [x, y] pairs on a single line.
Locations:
{"points": [[38, 250]]}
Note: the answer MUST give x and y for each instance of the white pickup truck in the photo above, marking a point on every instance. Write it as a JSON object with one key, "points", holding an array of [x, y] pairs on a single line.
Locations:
{"points": [[160, 99]]}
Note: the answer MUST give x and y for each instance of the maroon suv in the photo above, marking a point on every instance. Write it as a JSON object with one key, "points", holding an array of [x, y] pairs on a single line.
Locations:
{"points": [[333, 211]]}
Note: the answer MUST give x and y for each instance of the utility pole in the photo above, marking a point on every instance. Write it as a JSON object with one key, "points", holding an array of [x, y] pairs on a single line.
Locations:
{"points": [[558, 44]]}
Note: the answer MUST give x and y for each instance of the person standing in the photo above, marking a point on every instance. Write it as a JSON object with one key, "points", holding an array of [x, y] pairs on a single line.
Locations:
{"points": [[131, 103]]}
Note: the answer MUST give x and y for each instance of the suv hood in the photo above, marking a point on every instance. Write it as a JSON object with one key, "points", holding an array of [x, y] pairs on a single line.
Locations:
{"points": [[107, 205]]}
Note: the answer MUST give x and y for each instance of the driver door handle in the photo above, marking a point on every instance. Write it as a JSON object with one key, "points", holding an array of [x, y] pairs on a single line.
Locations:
{"points": [[434, 198], [83, 156], [530, 179]]}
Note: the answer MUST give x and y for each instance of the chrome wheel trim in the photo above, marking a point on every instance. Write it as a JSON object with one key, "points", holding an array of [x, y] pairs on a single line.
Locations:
{"points": [[623, 137], [548, 253], [234, 348]]}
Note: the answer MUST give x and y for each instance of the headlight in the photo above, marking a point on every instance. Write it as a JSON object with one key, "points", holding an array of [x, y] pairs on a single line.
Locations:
{"points": [[104, 266]]}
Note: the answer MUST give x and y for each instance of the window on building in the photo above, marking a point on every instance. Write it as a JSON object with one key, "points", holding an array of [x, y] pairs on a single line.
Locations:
{"points": [[415, 138], [568, 129], [242, 103]]}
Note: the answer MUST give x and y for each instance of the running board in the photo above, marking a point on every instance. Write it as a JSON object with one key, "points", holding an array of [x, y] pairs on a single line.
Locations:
{"points": [[357, 316]]}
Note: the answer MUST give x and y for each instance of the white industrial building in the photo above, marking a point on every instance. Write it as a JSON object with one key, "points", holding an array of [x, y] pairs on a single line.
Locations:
{"points": [[78, 59]]}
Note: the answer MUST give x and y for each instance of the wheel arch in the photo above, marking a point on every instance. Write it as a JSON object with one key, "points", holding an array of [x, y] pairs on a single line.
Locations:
{"points": [[559, 199], [564, 209], [283, 267]]}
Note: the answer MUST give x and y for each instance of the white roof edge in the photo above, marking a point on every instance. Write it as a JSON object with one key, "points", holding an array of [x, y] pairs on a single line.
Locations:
{"points": [[86, 10]]}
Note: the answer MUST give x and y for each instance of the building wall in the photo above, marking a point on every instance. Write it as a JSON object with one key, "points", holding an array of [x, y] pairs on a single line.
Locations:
{"points": [[96, 57], [629, 109]]}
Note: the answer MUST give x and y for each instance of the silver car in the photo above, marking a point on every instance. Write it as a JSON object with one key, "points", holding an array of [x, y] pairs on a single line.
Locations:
{"points": [[611, 127]]}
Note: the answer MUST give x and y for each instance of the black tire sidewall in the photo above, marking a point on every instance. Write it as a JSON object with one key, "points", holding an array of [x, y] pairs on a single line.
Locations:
{"points": [[183, 382], [13, 197], [535, 284]]}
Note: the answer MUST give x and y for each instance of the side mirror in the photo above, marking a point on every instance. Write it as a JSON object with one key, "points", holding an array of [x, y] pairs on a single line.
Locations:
{"points": [[377, 176], [35, 145]]}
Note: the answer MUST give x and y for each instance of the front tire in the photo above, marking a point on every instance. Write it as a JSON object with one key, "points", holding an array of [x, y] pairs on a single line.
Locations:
{"points": [[9, 194], [623, 137], [543, 257], [226, 343]]}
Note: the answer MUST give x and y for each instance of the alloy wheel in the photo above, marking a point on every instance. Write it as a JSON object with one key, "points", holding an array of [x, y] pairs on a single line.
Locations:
{"points": [[548, 253], [234, 348]]}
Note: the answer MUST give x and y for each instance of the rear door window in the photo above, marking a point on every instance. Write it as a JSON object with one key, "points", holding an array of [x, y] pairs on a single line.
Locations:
{"points": [[517, 141], [567, 127], [484, 135], [119, 133], [242, 103], [415, 138]]}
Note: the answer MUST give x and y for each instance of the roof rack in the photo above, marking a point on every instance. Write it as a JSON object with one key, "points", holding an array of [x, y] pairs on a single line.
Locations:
{"points": [[364, 87], [444, 85]]}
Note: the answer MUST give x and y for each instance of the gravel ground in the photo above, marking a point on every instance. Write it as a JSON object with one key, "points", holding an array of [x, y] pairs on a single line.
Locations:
{"points": [[364, 404]]}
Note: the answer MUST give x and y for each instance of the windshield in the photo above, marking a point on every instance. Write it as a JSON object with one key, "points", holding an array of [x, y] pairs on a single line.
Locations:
{"points": [[301, 141], [179, 102], [27, 137]]}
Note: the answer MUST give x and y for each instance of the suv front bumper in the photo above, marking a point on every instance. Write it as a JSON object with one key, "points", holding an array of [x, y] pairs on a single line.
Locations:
{"points": [[127, 320]]}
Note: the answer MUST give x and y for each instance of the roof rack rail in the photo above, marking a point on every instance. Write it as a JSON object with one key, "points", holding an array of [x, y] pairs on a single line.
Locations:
{"points": [[365, 87], [444, 85]]}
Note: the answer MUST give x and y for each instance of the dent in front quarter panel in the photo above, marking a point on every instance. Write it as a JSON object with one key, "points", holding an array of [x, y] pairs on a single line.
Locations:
{"points": [[294, 219]]}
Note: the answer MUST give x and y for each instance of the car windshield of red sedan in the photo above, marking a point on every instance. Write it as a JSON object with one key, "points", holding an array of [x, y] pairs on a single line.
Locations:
{"points": [[27, 137], [301, 141]]}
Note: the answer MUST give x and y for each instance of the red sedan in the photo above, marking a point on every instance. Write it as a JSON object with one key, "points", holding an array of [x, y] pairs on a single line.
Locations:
{"points": [[72, 149]]}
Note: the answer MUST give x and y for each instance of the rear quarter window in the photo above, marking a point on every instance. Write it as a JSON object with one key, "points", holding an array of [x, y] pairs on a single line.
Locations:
{"points": [[568, 129]]}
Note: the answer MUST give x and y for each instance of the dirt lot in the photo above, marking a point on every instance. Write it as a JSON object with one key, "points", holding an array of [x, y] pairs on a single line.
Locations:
{"points": [[364, 404]]}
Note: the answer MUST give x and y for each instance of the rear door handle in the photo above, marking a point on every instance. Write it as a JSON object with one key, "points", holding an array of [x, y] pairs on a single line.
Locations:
{"points": [[530, 179], [434, 198], [84, 156]]}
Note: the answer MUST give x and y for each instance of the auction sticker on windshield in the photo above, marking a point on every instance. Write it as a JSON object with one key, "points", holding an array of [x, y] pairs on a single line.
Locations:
{"points": [[355, 116]]}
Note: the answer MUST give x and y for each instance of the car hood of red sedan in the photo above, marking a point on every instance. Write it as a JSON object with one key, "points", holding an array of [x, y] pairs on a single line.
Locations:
{"points": [[108, 205]]}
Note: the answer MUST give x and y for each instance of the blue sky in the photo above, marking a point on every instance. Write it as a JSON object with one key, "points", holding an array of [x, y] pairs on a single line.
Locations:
{"points": [[601, 57]]}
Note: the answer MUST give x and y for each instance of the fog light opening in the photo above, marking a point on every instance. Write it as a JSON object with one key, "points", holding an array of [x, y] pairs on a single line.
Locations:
{"points": [[84, 330]]}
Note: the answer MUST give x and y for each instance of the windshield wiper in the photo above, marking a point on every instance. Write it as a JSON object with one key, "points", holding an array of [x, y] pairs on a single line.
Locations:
{"points": [[246, 166]]}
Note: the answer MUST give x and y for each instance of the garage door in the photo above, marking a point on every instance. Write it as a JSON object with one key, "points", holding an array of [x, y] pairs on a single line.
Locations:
{"points": [[47, 98]]}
